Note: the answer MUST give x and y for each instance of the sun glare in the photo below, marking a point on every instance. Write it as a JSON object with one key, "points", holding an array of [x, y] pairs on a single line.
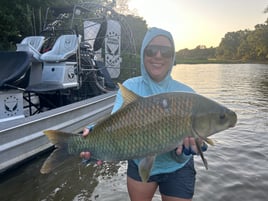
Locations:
{"points": [[205, 22]]}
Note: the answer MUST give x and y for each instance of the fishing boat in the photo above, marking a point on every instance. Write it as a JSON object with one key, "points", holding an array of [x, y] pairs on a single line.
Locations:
{"points": [[63, 78]]}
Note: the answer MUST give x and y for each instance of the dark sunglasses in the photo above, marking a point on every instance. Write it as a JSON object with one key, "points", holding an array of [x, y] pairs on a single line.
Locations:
{"points": [[152, 50]]}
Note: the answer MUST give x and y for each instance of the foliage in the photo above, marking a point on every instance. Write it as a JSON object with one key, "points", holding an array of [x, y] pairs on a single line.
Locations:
{"points": [[138, 27], [240, 46], [245, 45], [21, 18], [200, 53]]}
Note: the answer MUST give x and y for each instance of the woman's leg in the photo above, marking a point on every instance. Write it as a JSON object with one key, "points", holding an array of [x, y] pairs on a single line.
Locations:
{"points": [[140, 191], [178, 185]]}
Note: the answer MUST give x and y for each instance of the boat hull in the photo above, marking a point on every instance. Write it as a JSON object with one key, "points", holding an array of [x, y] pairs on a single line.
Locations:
{"points": [[23, 138]]}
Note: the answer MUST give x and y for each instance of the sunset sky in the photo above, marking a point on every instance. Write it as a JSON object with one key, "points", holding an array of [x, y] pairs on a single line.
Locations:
{"points": [[201, 22]]}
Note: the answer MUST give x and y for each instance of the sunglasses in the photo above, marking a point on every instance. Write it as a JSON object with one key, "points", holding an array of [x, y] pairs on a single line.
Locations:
{"points": [[152, 50]]}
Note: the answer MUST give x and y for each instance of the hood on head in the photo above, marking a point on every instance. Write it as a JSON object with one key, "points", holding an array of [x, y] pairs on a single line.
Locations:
{"points": [[150, 34]]}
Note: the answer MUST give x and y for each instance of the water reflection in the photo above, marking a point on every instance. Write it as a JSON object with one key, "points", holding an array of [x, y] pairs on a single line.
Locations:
{"points": [[238, 163]]}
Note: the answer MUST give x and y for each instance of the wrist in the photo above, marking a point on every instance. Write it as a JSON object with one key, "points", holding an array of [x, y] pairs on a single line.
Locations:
{"points": [[180, 158], [90, 127]]}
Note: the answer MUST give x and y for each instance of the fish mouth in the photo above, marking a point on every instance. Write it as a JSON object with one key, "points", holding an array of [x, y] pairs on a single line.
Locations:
{"points": [[234, 119]]}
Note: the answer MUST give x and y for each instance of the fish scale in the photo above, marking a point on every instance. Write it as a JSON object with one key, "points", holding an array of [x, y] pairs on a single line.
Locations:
{"points": [[145, 127], [151, 128]]}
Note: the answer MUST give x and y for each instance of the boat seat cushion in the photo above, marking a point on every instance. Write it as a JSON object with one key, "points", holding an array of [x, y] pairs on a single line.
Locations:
{"points": [[64, 47], [35, 41], [32, 44]]}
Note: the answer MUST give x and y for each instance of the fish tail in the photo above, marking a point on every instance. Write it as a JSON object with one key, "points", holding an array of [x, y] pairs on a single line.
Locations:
{"points": [[60, 141]]}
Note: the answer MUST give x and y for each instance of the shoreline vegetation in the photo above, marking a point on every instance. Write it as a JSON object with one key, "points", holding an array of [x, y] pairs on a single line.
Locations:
{"points": [[225, 53]]}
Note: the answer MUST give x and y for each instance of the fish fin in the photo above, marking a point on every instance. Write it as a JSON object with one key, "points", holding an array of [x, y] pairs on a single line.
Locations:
{"points": [[207, 140], [59, 140], [201, 153], [145, 167], [128, 96]]}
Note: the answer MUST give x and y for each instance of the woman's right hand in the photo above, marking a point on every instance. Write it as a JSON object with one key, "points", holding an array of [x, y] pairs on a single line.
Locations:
{"points": [[85, 154]]}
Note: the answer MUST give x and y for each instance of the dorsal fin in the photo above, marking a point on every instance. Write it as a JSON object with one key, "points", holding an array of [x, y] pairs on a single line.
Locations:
{"points": [[128, 96]]}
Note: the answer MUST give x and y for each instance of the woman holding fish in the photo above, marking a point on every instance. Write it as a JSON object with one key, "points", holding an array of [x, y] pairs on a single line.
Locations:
{"points": [[173, 172]]}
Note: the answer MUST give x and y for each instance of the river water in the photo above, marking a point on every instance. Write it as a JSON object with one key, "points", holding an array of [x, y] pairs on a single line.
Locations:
{"points": [[238, 163]]}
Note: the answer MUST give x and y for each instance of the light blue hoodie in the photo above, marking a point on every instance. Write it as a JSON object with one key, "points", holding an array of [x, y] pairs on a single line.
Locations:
{"points": [[145, 86]]}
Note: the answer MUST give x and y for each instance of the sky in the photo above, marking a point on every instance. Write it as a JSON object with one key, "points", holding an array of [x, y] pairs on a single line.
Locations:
{"points": [[201, 22]]}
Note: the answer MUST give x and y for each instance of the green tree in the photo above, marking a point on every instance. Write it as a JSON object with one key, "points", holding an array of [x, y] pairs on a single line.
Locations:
{"points": [[138, 27], [21, 18], [229, 45], [200, 54], [245, 45], [261, 41]]}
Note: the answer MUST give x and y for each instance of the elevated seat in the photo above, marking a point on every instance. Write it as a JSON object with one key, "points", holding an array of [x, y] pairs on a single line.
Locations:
{"points": [[14, 69], [32, 44], [64, 47], [58, 72]]}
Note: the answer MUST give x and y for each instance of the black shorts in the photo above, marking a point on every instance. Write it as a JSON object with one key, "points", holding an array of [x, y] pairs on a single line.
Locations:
{"points": [[178, 184]]}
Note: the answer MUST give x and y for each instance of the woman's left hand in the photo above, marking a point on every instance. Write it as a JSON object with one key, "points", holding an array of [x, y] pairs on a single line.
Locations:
{"points": [[189, 146]]}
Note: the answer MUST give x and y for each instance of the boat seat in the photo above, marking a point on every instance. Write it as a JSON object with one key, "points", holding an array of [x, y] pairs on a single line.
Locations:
{"points": [[64, 47], [14, 69], [58, 72], [32, 44], [35, 41]]}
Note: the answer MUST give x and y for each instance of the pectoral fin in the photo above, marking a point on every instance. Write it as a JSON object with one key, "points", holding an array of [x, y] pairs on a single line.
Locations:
{"points": [[145, 167], [201, 153], [209, 141]]}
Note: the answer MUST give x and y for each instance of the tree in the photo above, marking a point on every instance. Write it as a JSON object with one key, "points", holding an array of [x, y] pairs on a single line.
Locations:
{"points": [[229, 45], [245, 45], [21, 18]]}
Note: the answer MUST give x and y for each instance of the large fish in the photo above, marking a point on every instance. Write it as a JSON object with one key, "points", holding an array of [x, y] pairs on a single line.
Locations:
{"points": [[143, 128]]}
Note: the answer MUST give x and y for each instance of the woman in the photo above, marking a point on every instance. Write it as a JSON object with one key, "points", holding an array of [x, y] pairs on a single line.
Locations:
{"points": [[172, 172]]}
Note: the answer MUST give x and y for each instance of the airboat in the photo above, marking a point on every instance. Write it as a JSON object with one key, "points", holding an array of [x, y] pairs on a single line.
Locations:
{"points": [[64, 78]]}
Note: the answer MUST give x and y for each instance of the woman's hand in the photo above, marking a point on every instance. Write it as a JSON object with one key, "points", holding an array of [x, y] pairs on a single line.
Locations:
{"points": [[189, 146], [86, 154]]}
